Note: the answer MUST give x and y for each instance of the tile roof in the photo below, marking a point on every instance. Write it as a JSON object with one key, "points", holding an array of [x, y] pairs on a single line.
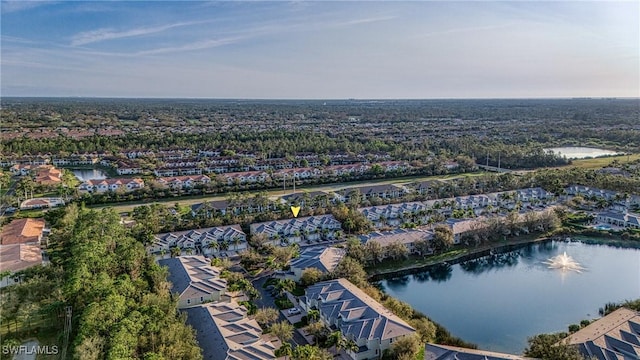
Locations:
{"points": [[22, 231], [18, 257]]}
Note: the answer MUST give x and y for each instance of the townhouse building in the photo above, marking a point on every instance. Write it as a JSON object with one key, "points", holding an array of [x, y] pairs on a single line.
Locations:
{"points": [[184, 182], [311, 228], [357, 316], [207, 241], [194, 280], [100, 186]]}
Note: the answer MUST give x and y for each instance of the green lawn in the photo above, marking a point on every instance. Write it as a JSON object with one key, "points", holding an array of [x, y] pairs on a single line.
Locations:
{"points": [[598, 163]]}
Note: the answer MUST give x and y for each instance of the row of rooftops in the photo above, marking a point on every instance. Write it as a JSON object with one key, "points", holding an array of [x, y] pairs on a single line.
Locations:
{"points": [[223, 330], [202, 237], [290, 226]]}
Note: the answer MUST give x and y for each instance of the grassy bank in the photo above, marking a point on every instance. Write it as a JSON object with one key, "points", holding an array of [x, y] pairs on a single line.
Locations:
{"points": [[598, 163], [456, 254]]}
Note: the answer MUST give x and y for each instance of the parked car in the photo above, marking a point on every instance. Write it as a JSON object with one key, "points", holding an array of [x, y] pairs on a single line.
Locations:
{"points": [[293, 311]]}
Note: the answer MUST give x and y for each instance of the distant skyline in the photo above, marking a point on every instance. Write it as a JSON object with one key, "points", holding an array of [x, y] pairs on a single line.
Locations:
{"points": [[320, 49]]}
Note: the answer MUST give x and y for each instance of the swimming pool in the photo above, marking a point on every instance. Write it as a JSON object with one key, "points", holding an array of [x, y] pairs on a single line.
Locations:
{"points": [[602, 227]]}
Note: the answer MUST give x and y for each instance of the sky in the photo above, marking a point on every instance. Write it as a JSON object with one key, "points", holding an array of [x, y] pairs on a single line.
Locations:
{"points": [[320, 49]]}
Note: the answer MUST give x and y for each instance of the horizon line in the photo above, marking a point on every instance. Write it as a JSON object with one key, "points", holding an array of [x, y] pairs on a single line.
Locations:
{"points": [[318, 99]]}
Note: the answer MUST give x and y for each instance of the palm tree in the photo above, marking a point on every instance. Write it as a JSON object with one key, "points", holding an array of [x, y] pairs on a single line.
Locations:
{"points": [[351, 346], [213, 246], [313, 315], [175, 252], [236, 241], [224, 245], [283, 330], [335, 339], [285, 350]]}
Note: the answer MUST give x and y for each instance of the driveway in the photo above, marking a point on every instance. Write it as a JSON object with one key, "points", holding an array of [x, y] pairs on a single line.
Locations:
{"points": [[28, 352], [267, 300]]}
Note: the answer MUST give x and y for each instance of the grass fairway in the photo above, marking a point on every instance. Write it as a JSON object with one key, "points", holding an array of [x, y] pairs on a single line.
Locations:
{"points": [[598, 163]]}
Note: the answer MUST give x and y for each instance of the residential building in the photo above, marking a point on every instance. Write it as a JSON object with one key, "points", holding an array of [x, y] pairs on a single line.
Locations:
{"points": [[386, 191], [323, 259], [213, 240], [297, 173], [461, 227], [194, 280], [407, 237], [343, 306], [47, 175], [23, 231], [17, 257], [623, 220], [445, 352], [99, 186], [311, 228], [245, 177], [184, 182], [396, 214], [427, 188], [613, 337], [41, 203], [224, 332]]}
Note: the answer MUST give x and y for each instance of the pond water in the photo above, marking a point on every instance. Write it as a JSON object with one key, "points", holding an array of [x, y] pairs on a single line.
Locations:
{"points": [[498, 301], [576, 152], [89, 174]]}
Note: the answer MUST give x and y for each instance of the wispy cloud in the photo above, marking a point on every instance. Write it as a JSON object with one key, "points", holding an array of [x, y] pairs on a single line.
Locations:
{"points": [[198, 45], [94, 36], [467, 29], [367, 20], [13, 6]]}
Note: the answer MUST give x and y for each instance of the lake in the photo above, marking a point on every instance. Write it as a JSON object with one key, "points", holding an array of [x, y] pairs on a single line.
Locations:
{"points": [[576, 152], [498, 301], [89, 174]]}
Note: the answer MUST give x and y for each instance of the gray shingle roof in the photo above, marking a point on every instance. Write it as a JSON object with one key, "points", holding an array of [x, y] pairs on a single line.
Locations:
{"points": [[444, 352], [323, 259], [359, 316], [209, 337], [193, 273]]}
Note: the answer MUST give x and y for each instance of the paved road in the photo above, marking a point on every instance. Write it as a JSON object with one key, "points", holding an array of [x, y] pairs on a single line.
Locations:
{"points": [[28, 352]]}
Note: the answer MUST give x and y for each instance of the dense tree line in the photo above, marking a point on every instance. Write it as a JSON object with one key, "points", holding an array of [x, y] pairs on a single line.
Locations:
{"points": [[513, 133], [119, 297]]}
